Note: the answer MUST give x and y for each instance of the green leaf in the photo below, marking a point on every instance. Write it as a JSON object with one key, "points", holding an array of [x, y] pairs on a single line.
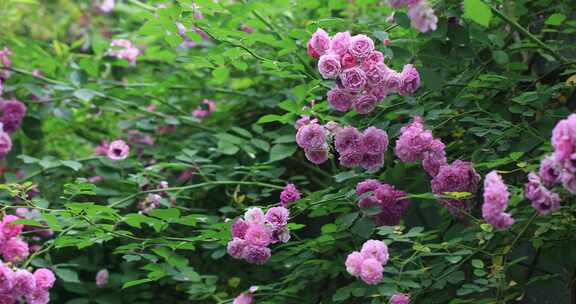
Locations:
{"points": [[27, 223], [136, 282], [500, 57], [166, 214], [454, 259], [346, 221], [281, 151], [555, 19], [478, 11], [270, 118], [189, 220], [135, 219], [477, 263], [260, 144], [85, 94], [329, 228], [67, 275], [340, 177], [25, 1], [221, 74], [295, 226], [228, 148], [74, 165], [363, 227]]}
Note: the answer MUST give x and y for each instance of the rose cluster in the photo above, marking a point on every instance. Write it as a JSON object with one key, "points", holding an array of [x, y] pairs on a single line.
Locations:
{"points": [[362, 77], [559, 168], [12, 113], [5, 142], [421, 15], [252, 235], [365, 149], [496, 197], [289, 194], [12, 247], [34, 235], [18, 285], [458, 176], [386, 197], [418, 144], [206, 108], [152, 200], [543, 199], [5, 62], [124, 49], [368, 264]]}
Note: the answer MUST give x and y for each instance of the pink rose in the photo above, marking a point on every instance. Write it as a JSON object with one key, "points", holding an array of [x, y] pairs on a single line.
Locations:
{"points": [[44, 278], [378, 91], [410, 80], [15, 250], [118, 150], [354, 262], [348, 61], [258, 235], [341, 43], [319, 42], [329, 66], [377, 74], [371, 271], [353, 79], [10, 230], [374, 58], [376, 250], [243, 298], [236, 247], [361, 46], [392, 81], [317, 156], [339, 99], [422, 17], [311, 51], [365, 104]]}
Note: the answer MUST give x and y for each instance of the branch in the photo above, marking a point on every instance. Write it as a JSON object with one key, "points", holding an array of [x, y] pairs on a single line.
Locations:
{"points": [[530, 36]]}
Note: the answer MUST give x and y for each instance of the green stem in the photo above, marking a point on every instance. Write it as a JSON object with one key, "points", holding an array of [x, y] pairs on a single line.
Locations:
{"points": [[530, 36], [142, 5], [517, 238], [36, 173], [196, 186]]}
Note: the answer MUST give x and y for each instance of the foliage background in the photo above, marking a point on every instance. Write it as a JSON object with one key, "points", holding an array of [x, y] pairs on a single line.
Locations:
{"points": [[490, 91]]}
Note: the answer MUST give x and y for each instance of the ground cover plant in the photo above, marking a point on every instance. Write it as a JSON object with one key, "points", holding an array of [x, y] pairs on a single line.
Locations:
{"points": [[287, 151]]}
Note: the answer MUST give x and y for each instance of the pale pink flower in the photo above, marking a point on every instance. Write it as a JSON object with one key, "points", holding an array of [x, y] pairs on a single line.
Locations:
{"points": [[354, 262], [102, 277], [118, 150], [371, 271], [422, 17]]}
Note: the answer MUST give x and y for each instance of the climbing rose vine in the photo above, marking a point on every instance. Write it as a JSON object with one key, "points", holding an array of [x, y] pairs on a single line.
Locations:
{"points": [[304, 151]]}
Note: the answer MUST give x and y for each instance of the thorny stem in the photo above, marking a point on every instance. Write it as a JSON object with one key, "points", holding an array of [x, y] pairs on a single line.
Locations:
{"points": [[529, 35]]}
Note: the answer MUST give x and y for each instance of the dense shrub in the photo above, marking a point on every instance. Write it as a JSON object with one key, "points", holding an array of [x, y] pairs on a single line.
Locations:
{"points": [[306, 151]]}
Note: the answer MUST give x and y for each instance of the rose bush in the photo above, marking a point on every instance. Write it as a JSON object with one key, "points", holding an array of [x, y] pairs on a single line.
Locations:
{"points": [[307, 151]]}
